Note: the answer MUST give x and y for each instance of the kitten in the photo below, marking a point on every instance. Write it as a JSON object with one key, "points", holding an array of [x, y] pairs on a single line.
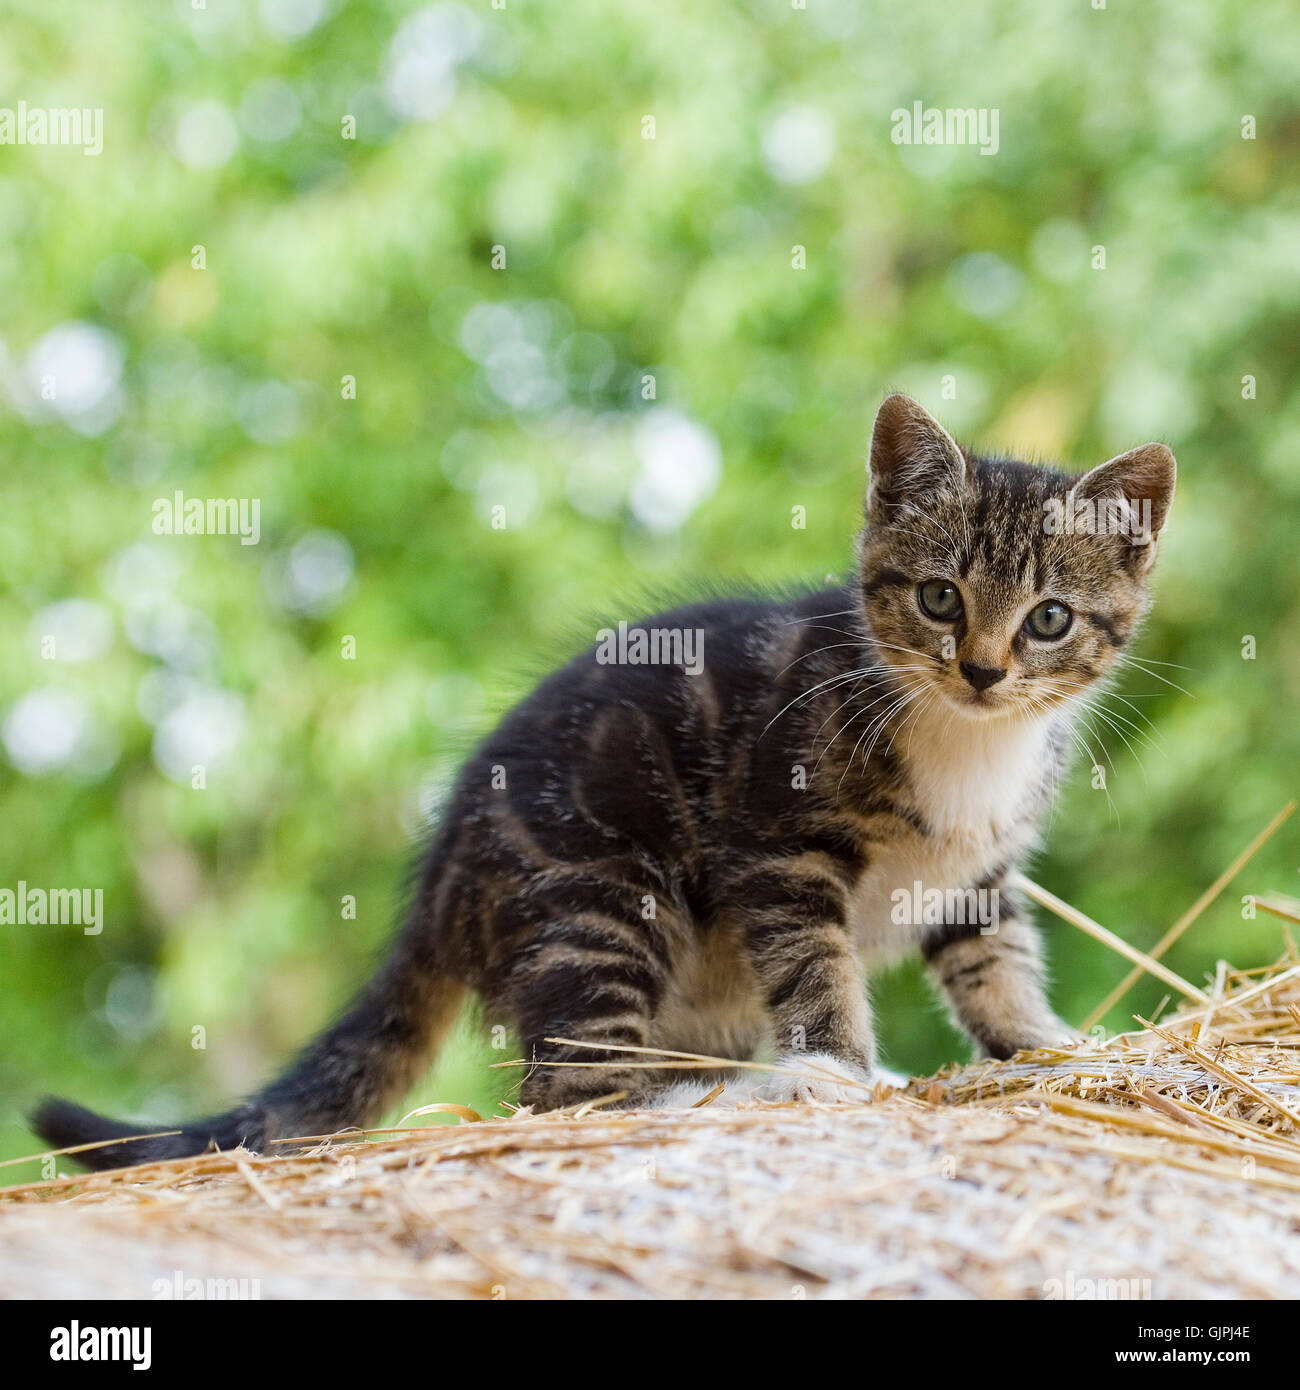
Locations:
{"points": [[643, 856]]}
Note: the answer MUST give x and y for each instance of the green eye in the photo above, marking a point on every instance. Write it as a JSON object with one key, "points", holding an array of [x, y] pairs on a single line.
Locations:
{"points": [[939, 599], [1049, 620]]}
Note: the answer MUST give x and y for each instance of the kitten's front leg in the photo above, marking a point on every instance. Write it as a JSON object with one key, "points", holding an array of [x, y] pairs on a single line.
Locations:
{"points": [[798, 943], [995, 981]]}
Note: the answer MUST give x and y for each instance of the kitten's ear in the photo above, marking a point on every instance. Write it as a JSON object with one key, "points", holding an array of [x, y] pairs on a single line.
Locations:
{"points": [[912, 458], [1142, 482]]}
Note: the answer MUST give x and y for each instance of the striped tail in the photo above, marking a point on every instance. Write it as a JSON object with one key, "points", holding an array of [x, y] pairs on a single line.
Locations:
{"points": [[347, 1077]]}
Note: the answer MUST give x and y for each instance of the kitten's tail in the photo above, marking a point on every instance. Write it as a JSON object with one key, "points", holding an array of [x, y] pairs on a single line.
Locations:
{"points": [[347, 1076]]}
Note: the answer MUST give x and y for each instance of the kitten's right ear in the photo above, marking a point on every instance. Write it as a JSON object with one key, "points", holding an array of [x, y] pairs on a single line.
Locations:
{"points": [[1140, 484], [912, 458]]}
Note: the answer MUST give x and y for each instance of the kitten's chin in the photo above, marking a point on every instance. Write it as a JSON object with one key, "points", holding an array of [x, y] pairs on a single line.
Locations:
{"points": [[980, 709], [985, 707]]}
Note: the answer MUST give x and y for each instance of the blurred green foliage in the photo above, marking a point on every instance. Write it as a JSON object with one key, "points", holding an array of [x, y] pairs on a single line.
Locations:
{"points": [[327, 257]]}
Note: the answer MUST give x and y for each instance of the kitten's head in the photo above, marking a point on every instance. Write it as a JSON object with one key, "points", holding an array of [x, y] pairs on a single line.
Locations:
{"points": [[1002, 587]]}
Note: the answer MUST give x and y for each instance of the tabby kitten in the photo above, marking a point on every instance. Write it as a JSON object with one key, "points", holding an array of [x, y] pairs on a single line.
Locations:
{"points": [[697, 856]]}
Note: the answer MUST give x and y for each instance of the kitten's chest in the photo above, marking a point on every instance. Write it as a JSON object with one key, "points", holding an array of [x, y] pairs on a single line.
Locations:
{"points": [[979, 792]]}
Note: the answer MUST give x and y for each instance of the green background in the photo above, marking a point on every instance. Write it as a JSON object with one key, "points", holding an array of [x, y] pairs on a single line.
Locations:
{"points": [[371, 257]]}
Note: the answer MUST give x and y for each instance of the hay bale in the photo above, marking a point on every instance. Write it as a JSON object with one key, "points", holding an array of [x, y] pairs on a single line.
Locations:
{"points": [[1161, 1164]]}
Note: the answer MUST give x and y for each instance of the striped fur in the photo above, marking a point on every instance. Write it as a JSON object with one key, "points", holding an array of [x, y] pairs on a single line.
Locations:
{"points": [[646, 857]]}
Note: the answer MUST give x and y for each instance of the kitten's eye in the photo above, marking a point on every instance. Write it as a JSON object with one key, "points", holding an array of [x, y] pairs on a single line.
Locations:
{"points": [[1049, 620], [939, 599]]}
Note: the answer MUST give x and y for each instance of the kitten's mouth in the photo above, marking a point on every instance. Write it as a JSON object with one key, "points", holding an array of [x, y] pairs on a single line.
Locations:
{"points": [[975, 705], [980, 704], [994, 704]]}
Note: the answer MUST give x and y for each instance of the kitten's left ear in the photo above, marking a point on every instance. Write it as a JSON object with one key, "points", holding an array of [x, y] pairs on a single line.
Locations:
{"points": [[1143, 481]]}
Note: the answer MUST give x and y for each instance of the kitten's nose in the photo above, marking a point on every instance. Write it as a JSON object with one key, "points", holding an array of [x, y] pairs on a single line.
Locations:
{"points": [[981, 677]]}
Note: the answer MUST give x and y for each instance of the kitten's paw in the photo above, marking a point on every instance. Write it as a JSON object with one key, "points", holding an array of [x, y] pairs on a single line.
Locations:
{"points": [[1030, 1036], [1057, 1033], [886, 1076], [693, 1095], [817, 1076]]}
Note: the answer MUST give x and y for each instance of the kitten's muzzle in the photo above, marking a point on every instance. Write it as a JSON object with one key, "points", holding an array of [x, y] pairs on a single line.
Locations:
{"points": [[981, 677]]}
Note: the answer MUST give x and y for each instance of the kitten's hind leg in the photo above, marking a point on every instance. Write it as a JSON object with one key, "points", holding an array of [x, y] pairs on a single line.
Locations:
{"points": [[563, 1076], [590, 978]]}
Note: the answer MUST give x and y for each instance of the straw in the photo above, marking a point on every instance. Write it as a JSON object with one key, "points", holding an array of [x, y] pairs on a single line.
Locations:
{"points": [[1192, 913], [1279, 906], [1150, 1165], [1070, 914]]}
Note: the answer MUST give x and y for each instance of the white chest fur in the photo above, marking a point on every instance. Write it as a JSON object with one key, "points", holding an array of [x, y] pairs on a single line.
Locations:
{"points": [[977, 786]]}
